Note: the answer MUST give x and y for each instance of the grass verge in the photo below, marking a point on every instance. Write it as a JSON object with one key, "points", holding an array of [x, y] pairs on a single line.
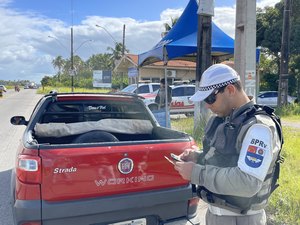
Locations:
{"points": [[284, 204], [46, 90]]}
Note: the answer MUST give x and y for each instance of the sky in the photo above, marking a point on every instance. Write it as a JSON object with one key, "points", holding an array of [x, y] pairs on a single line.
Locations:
{"points": [[34, 32]]}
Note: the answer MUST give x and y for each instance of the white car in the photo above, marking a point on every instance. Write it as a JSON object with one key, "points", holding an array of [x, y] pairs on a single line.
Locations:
{"points": [[3, 88], [270, 98], [141, 88], [180, 99]]}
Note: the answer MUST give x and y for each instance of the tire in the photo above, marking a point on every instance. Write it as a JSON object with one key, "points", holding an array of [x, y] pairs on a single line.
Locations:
{"points": [[189, 114], [95, 136]]}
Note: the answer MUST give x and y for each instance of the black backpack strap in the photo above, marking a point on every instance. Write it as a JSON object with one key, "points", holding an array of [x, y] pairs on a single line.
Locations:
{"points": [[266, 110], [280, 159]]}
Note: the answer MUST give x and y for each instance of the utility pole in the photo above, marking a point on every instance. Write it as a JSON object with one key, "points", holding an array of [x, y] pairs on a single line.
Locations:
{"points": [[284, 61], [245, 45], [203, 61], [123, 53], [72, 72], [123, 49]]}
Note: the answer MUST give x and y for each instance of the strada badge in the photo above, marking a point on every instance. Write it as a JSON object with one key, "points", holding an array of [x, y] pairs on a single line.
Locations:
{"points": [[65, 170]]}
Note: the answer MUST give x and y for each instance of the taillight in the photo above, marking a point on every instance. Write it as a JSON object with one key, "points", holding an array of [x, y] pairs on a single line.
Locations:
{"points": [[32, 223], [28, 169], [193, 205]]}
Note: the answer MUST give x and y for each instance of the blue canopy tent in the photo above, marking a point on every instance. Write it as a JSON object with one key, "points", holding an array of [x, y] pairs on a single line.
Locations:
{"points": [[181, 41]]}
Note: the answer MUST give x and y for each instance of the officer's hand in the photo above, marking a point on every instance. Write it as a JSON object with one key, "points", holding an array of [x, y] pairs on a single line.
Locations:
{"points": [[190, 154], [184, 169]]}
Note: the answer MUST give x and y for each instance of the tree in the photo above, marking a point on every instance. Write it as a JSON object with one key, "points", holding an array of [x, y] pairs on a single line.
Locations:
{"points": [[269, 32], [168, 26], [268, 74], [79, 64], [59, 63], [295, 67], [100, 62], [46, 81], [117, 52]]}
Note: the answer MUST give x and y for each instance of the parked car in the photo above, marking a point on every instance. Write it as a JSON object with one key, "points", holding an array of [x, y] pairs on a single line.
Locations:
{"points": [[141, 88], [99, 159], [3, 88], [270, 98], [180, 99]]}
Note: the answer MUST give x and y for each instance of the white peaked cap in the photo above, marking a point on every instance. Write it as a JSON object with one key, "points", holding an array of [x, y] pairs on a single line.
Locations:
{"points": [[216, 76]]}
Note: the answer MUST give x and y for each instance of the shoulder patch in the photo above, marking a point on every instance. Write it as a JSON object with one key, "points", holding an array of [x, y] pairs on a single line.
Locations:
{"points": [[254, 156], [257, 151]]}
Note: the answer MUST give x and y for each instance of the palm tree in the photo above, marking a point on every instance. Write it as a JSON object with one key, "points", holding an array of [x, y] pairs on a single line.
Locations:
{"points": [[59, 63], [117, 52], [79, 64], [168, 27], [100, 62]]}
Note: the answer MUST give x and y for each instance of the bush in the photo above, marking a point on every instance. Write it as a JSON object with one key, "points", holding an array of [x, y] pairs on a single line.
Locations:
{"points": [[289, 110]]}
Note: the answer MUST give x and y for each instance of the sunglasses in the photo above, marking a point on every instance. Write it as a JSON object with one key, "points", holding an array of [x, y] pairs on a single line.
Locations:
{"points": [[213, 96]]}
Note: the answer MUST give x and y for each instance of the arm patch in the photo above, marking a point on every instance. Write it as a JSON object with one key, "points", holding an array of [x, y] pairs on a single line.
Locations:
{"points": [[256, 152]]}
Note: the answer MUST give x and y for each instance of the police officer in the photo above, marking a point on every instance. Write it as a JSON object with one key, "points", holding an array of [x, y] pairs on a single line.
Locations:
{"points": [[160, 98], [235, 171]]}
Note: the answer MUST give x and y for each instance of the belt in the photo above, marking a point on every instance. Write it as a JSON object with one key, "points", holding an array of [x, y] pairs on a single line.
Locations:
{"points": [[224, 212]]}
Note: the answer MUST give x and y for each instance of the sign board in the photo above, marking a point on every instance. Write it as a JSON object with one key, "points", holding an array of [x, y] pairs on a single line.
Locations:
{"points": [[102, 78], [72, 72], [206, 8], [133, 72], [250, 83]]}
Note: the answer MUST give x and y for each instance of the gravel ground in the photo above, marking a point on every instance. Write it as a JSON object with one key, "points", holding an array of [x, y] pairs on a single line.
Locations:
{"points": [[294, 124]]}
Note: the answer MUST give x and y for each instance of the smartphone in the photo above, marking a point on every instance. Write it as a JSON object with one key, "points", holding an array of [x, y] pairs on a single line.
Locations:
{"points": [[176, 157], [170, 161]]}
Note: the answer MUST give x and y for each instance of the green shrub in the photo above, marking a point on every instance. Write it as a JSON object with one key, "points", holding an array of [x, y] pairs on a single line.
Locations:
{"points": [[289, 110], [46, 90]]}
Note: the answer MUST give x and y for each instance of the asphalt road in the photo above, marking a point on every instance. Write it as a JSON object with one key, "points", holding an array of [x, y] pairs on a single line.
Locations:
{"points": [[21, 104], [11, 104]]}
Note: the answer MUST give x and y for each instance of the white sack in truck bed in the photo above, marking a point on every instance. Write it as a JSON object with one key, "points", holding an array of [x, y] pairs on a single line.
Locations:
{"points": [[127, 126]]}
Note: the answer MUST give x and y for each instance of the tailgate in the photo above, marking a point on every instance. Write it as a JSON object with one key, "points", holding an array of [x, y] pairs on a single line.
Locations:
{"points": [[86, 172]]}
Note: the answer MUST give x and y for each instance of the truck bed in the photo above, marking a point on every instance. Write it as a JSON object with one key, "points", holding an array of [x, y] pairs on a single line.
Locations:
{"points": [[98, 159], [122, 129]]}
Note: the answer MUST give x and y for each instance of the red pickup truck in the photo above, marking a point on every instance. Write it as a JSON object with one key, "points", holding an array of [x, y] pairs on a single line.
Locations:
{"points": [[98, 159]]}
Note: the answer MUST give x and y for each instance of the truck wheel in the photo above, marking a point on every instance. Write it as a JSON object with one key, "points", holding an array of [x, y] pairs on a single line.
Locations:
{"points": [[95, 136]]}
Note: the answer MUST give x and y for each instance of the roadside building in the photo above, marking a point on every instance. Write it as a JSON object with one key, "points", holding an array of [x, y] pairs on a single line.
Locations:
{"points": [[177, 70]]}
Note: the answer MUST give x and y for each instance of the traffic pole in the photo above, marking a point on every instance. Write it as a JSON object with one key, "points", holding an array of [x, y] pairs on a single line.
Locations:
{"points": [[203, 60], [284, 60]]}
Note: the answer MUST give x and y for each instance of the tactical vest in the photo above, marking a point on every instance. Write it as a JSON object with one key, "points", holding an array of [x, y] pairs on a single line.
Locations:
{"points": [[223, 135]]}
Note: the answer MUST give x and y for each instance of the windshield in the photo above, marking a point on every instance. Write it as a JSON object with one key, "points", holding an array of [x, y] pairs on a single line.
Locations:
{"points": [[131, 88]]}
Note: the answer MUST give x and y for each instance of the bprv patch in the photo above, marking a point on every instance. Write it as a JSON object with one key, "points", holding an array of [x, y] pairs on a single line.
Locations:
{"points": [[254, 156]]}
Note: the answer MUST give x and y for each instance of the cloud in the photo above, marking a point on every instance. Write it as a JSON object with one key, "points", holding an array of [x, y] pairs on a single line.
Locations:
{"points": [[264, 3], [225, 16], [167, 14], [27, 50], [21, 37], [4, 2], [225, 19]]}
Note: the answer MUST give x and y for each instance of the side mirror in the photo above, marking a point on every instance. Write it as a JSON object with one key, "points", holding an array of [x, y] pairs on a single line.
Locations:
{"points": [[18, 120]]}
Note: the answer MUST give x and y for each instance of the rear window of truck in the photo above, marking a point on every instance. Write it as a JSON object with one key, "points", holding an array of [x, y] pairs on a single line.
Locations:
{"points": [[82, 111]]}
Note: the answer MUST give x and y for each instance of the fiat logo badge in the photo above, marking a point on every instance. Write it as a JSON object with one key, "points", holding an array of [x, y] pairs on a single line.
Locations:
{"points": [[125, 166]]}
